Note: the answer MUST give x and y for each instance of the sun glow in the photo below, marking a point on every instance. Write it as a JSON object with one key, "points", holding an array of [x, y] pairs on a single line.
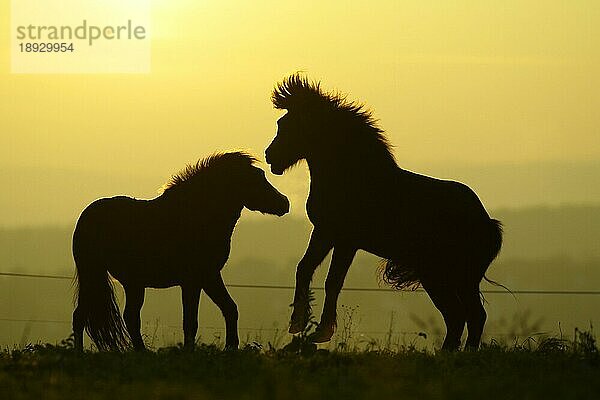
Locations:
{"points": [[456, 84]]}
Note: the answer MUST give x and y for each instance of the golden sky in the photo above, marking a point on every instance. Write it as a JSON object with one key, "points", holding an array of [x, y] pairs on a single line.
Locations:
{"points": [[458, 82]]}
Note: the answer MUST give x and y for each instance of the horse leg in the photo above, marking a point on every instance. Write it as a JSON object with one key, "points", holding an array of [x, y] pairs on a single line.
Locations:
{"points": [[216, 290], [452, 309], [78, 327], [190, 297], [317, 250], [340, 263], [475, 314], [134, 300]]}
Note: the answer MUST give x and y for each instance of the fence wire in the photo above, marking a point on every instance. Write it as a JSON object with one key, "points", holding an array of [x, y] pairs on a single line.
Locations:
{"points": [[538, 292]]}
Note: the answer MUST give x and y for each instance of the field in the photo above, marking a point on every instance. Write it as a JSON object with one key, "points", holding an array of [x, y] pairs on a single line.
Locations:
{"points": [[550, 249], [545, 369]]}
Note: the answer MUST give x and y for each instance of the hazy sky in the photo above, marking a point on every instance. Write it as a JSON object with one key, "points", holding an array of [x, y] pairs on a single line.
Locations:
{"points": [[452, 82]]}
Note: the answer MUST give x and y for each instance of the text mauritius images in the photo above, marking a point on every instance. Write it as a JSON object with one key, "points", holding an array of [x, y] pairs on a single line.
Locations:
{"points": [[85, 31]]}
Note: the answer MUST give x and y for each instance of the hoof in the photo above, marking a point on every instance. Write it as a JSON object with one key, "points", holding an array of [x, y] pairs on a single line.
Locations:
{"points": [[322, 334], [189, 347], [297, 325], [450, 347], [231, 347], [139, 347], [470, 347]]}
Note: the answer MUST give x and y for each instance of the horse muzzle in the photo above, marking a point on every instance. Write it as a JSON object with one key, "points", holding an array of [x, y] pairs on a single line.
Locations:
{"points": [[277, 170]]}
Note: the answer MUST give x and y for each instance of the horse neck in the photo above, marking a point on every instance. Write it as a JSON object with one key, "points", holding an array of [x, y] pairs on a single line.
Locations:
{"points": [[341, 166]]}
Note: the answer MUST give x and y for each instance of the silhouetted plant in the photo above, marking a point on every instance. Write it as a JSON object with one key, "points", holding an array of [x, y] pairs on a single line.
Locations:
{"points": [[345, 334], [585, 342], [552, 345], [428, 327], [301, 343], [254, 347]]}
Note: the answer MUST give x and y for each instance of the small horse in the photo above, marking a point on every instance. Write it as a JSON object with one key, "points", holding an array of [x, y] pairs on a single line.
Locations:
{"points": [[180, 238], [430, 232]]}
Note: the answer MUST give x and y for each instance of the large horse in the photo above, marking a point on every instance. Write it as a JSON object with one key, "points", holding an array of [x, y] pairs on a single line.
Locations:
{"points": [[181, 238], [430, 232]]}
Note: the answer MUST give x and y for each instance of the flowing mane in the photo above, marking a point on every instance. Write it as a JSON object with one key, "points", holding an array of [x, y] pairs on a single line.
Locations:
{"points": [[215, 164], [353, 119]]}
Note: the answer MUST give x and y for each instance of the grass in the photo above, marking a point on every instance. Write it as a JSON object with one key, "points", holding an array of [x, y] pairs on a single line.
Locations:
{"points": [[545, 369]]}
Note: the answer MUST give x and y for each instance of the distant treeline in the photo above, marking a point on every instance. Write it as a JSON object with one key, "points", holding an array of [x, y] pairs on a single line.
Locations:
{"points": [[537, 233], [545, 248]]}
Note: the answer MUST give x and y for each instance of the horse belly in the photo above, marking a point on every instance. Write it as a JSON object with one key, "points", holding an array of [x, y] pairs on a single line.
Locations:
{"points": [[430, 250], [147, 271], [146, 256]]}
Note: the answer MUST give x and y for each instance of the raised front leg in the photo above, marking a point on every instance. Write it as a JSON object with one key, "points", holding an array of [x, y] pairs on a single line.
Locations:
{"points": [[317, 250], [190, 297], [216, 290], [340, 263], [134, 300]]}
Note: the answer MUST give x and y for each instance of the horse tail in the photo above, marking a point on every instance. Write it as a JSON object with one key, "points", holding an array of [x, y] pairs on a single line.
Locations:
{"points": [[399, 276], [495, 241], [406, 277], [97, 309]]}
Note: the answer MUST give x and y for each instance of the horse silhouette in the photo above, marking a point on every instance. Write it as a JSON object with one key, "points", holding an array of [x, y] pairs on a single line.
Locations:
{"points": [[430, 232], [180, 238]]}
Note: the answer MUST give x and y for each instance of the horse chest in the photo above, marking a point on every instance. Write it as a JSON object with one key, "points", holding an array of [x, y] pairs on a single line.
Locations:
{"points": [[321, 211], [335, 209]]}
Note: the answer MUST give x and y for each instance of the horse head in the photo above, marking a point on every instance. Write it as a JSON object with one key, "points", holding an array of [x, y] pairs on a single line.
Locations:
{"points": [[290, 144], [320, 125], [226, 181], [260, 195]]}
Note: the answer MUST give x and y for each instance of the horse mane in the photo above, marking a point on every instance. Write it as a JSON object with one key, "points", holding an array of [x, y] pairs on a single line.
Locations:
{"points": [[297, 92], [222, 164]]}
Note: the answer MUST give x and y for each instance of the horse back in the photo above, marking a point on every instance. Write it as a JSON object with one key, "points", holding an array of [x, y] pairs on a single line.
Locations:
{"points": [[438, 197], [107, 220], [153, 239], [378, 211]]}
